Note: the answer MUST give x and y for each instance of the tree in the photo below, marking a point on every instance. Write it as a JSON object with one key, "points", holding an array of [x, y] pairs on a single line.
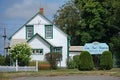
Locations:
{"points": [[21, 52], [93, 19], [106, 61], [89, 20], [53, 58], [85, 61], [114, 23], [67, 19], [113, 20], [115, 48]]}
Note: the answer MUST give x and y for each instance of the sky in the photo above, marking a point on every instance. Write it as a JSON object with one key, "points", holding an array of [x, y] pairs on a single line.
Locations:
{"points": [[14, 13]]}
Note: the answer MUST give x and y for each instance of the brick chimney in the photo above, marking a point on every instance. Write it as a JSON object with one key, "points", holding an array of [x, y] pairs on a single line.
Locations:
{"points": [[42, 11]]}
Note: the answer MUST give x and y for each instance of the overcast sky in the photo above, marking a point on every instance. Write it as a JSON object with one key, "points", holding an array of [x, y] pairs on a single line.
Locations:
{"points": [[14, 13]]}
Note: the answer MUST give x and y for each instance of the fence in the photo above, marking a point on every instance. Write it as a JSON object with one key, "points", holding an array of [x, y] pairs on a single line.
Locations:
{"points": [[19, 68], [7, 68]]}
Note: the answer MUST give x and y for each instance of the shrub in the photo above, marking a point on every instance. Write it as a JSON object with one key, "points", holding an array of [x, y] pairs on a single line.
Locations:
{"points": [[53, 58], [32, 63], [86, 61], [70, 64], [106, 61], [76, 60], [21, 52], [2, 60], [5, 61]]}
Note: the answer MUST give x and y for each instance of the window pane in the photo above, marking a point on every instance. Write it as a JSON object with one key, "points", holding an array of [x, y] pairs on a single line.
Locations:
{"points": [[48, 31], [38, 51], [29, 31]]}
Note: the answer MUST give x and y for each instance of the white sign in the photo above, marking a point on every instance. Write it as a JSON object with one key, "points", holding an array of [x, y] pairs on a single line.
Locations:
{"points": [[96, 47]]}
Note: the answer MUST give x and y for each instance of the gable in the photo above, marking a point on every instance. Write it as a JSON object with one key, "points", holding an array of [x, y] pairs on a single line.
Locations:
{"points": [[38, 43], [40, 38], [37, 19]]}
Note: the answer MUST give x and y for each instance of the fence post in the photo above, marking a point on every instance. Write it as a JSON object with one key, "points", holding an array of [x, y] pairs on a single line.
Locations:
{"points": [[16, 65], [36, 65]]}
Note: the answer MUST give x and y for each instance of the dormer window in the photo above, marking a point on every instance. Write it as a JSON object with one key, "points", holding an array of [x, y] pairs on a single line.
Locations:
{"points": [[48, 31], [29, 31]]}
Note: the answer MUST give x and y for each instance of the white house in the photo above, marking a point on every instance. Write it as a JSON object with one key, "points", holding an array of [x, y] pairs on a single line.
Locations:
{"points": [[43, 36]]}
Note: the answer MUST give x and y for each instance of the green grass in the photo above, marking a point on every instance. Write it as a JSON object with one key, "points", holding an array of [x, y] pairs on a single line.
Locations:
{"points": [[60, 72]]}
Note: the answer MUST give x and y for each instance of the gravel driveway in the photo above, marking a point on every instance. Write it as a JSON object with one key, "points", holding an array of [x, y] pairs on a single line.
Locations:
{"points": [[69, 78]]}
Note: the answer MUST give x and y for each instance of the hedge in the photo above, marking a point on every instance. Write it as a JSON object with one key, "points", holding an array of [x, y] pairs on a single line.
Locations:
{"points": [[106, 61], [76, 60], [86, 61]]}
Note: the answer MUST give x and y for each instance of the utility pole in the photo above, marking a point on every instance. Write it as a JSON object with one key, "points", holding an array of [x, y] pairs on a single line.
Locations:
{"points": [[4, 36]]}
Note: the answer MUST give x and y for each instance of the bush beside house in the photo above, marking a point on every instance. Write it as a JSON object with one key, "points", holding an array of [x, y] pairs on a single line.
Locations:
{"points": [[53, 58], [71, 64], [2, 60], [21, 52], [76, 60], [106, 61], [85, 61]]}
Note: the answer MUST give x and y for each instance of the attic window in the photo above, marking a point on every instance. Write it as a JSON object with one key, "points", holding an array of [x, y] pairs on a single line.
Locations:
{"points": [[29, 31], [48, 31]]}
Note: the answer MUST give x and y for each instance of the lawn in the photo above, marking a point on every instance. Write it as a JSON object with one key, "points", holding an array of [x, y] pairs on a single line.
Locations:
{"points": [[60, 72]]}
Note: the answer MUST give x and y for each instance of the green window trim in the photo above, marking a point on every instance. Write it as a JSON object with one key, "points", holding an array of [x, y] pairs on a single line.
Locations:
{"points": [[37, 51], [58, 49], [68, 46], [48, 31], [28, 35]]}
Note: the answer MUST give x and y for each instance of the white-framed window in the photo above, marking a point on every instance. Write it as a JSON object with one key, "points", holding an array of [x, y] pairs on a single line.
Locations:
{"points": [[38, 51], [48, 31], [29, 31]]}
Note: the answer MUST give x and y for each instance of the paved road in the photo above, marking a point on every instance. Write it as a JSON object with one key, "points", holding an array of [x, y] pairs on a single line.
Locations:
{"points": [[69, 78]]}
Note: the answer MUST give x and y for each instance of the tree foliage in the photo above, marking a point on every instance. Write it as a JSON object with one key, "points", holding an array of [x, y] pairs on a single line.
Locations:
{"points": [[67, 19], [115, 48], [85, 61], [106, 61], [21, 52], [89, 20]]}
